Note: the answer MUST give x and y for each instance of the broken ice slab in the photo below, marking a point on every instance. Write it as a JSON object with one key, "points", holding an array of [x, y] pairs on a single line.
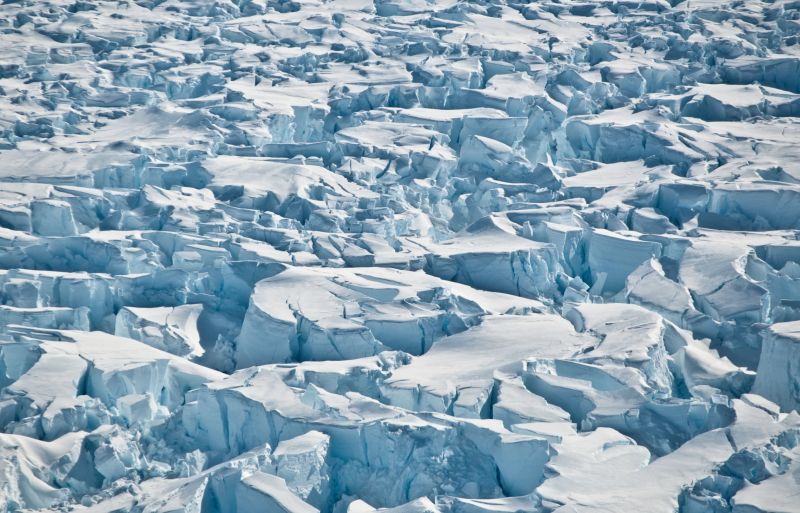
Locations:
{"points": [[259, 407], [92, 364], [632, 482], [455, 376], [518, 266], [329, 314], [291, 189]]}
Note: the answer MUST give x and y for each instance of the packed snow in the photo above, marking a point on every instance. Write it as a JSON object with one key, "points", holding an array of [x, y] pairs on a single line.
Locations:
{"points": [[400, 256]]}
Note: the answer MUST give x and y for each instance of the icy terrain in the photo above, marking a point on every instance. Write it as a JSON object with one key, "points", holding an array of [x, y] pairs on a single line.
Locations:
{"points": [[417, 256]]}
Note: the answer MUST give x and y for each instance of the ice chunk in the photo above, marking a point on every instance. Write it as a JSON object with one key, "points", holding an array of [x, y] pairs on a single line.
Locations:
{"points": [[261, 491], [115, 453], [519, 266], [613, 256], [715, 273], [649, 287], [700, 366], [32, 470], [173, 330], [137, 408], [777, 375], [67, 414], [46, 317], [516, 405], [301, 462]]}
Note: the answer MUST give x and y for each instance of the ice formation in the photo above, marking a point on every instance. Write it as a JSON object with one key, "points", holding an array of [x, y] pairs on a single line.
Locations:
{"points": [[442, 256]]}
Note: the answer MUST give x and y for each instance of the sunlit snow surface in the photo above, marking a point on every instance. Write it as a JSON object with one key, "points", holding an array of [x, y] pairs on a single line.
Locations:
{"points": [[435, 256]]}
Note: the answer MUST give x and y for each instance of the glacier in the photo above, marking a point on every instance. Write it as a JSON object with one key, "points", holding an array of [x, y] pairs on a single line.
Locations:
{"points": [[400, 256]]}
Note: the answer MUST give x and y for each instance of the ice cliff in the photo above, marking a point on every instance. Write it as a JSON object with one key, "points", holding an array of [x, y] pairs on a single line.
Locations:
{"points": [[441, 256]]}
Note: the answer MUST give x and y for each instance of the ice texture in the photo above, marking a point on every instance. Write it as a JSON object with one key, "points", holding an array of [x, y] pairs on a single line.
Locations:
{"points": [[441, 256]]}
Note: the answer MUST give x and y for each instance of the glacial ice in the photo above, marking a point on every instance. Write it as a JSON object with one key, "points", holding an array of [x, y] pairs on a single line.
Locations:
{"points": [[405, 256]]}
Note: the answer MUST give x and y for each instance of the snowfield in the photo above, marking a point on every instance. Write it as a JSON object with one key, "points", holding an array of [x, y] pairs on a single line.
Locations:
{"points": [[408, 256]]}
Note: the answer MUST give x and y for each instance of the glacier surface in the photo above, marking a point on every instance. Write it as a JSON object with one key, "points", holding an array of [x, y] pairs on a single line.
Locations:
{"points": [[407, 256]]}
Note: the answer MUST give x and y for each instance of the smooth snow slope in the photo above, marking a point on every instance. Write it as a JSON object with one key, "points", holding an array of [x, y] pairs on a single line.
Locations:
{"points": [[417, 256]]}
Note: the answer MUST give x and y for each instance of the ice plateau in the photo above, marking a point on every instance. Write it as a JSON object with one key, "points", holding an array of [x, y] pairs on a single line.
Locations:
{"points": [[400, 256]]}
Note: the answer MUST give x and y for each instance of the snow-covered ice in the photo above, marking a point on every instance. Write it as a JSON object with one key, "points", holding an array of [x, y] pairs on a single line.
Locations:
{"points": [[444, 256]]}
